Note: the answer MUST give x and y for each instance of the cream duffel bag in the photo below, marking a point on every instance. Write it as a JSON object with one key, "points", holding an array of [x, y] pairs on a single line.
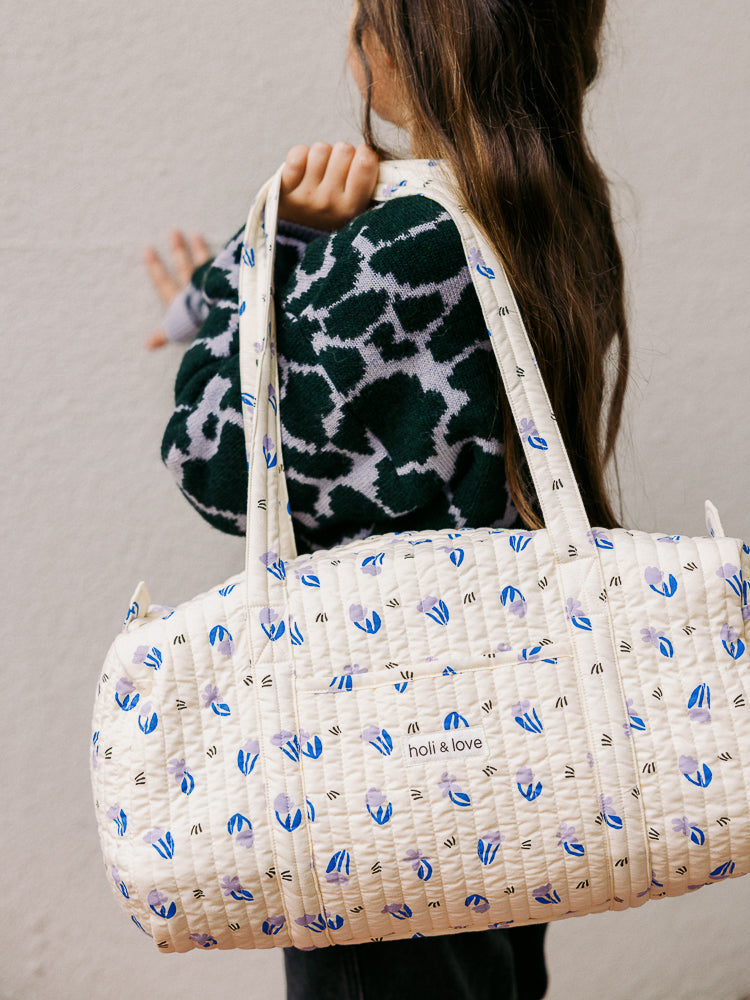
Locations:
{"points": [[416, 734]]}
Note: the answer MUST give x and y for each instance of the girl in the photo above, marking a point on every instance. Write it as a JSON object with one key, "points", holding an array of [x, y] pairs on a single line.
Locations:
{"points": [[392, 413]]}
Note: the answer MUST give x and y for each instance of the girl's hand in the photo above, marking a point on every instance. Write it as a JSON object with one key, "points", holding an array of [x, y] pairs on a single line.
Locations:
{"points": [[185, 258], [326, 187]]}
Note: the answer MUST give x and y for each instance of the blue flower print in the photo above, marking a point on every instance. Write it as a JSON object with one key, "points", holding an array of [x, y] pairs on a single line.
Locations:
{"points": [[226, 591], [525, 784], [288, 743], [635, 719], [181, 775], [118, 817], [287, 814], [248, 256], [272, 925], [378, 806], [212, 700], [519, 540], [126, 695], [313, 921], [390, 189], [451, 788], [231, 886], [608, 813], [488, 846], [567, 838], [95, 749], [161, 841], [242, 826], [435, 609], [268, 619], [731, 642], [655, 579], [150, 656], [398, 910], [723, 871], [310, 746], [273, 564], [337, 871], [546, 894], [269, 452], [699, 704], [513, 599], [247, 757], [133, 612], [247, 397], [343, 681], [533, 653], [454, 721], [455, 555], [476, 260], [477, 903], [600, 538], [158, 903], [652, 638], [310, 810], [378, 738], [140, 926], [736, 581], [573, 611], [366, 621], [696, 774], [294, 632], [529, 433], [334, 920], [148, 720], [221, 639], [689, 829], [528, 720], [272, 398], [203, 940], [419, 863], [307, 579], [373, 565]]}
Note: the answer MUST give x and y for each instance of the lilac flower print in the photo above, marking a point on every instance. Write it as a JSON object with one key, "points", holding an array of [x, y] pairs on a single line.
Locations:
{"points": [[337, 871], [527, 717], [654, 577], [452, 790], [529, 433], [373, 565], [272, 925], [636, 720], [269, 452], [568, 840], [695, 773], [652, 638], [212, 699], [608, 813], [435, 609], [378, 806], [514, 600], [310, 745], [477, 903], [525, 784], [419, 863], [699, 704], [181, 775], [247, 757], [367, 621], [600, 538], [288, 743], [288, 815], [118, 817], [390, 189], [546, 894], [203, 940], [150, 656], [243, 828], [344, 680], [268, 618], [455, 554], [334, 920], [272, 398], [398, 910], [162, 842], [378, 738], [723, 871], [488, 846], [731, 642], [119, 882], [519, 540], [148, 720], [230, 884], [126, 695], [221, 639], [273, 564], [476, 260], [504, 647], [157, 901], [574, 614], [689, 829]]}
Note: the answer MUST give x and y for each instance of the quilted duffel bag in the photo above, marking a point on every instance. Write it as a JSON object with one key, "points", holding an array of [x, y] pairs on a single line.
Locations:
{"points": [[429, 732]]}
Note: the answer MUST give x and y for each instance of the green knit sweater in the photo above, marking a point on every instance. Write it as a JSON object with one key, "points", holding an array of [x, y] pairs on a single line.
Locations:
{"points": [[388, 385]]}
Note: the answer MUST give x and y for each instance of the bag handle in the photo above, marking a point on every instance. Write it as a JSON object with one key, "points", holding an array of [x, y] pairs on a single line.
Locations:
{"points": [[268, 518]]}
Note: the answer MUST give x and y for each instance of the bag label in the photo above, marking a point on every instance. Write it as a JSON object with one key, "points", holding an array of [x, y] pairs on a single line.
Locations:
{"points": [[444, 744]]}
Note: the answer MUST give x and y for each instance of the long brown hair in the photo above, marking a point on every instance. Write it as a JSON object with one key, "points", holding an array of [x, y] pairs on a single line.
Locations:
{"points": [[496, 88]]}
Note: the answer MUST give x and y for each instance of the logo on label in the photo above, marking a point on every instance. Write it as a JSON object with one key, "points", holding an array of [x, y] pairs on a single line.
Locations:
{"points": [[442, 745]]}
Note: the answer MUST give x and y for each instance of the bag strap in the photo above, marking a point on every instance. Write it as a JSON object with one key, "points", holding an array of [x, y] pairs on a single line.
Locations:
{"points": [[268, 518]]}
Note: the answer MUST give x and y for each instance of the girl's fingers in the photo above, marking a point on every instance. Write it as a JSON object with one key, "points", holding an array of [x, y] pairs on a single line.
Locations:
{"points": [[339, 164], [160, 276], [361, 178], [156, 340], [199, 250], [317, 163], [294, 167], [183, 263]]}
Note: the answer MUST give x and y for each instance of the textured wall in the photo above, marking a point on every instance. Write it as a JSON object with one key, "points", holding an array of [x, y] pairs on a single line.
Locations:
{"points": [[122, 121]]}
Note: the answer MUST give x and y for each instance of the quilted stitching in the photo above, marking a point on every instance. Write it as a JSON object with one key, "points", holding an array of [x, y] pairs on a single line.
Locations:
{"points": [[424, 732]]}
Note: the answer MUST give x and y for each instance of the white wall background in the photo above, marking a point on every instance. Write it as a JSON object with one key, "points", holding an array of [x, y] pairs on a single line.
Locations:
{"points": [[121, 121]]}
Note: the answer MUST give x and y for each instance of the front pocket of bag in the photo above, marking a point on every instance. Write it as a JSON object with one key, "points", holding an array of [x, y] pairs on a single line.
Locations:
{"points": [[450, 800]]}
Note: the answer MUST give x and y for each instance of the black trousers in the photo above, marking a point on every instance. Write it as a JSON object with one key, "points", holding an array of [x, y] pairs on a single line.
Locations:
{"points": [[480, 965]]}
